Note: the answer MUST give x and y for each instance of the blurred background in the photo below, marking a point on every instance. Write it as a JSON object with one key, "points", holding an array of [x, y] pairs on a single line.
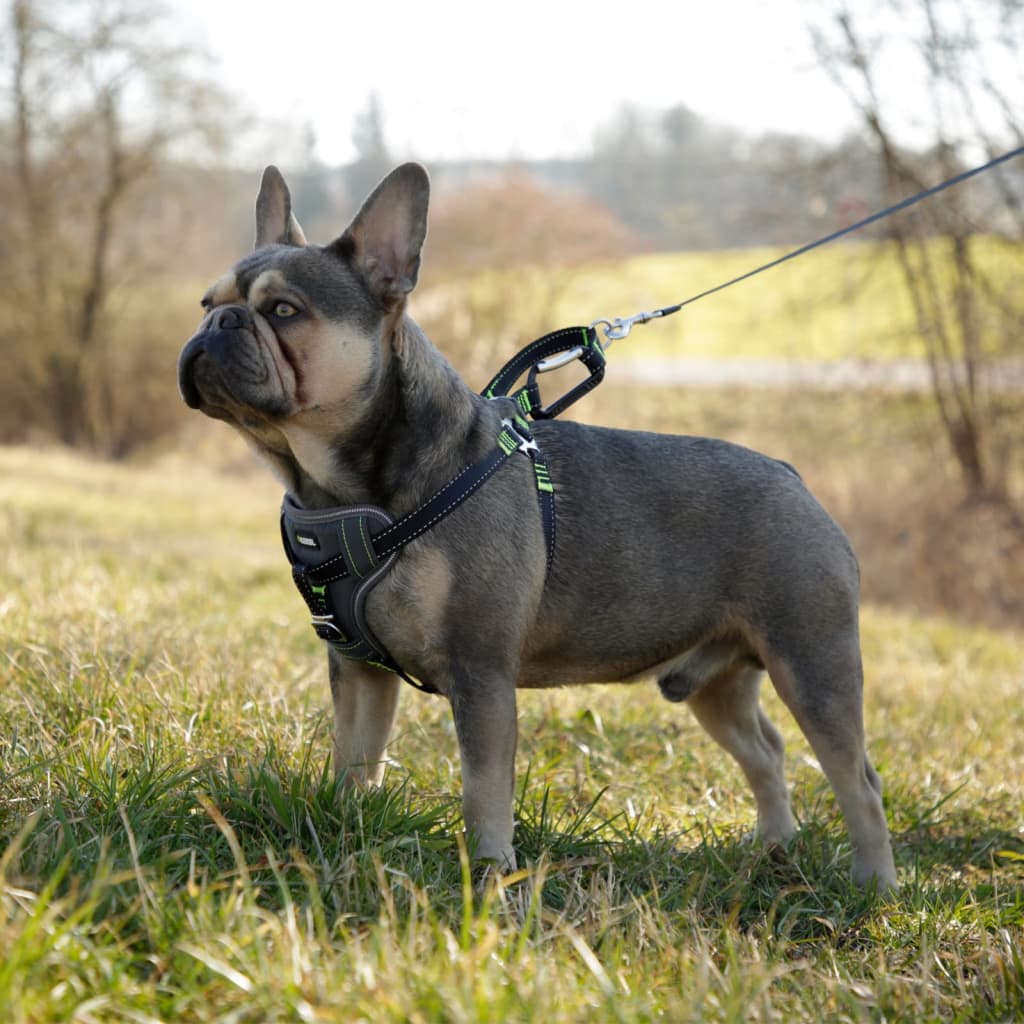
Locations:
{"points": [[584, 165]]}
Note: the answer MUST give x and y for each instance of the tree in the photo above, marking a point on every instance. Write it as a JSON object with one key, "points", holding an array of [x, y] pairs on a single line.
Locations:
{"points": [[373, 158], [687, 182], [965, 59], [99, 105]]}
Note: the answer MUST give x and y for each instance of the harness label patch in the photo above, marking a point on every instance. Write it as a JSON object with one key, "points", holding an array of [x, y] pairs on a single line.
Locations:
{"points": [[306, 541]]}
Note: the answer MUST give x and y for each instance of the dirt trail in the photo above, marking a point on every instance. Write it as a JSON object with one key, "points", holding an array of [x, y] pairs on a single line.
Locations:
{"points": [[1006, 376]]}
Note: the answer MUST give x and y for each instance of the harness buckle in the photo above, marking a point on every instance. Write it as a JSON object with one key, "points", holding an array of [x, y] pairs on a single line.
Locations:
{"points": [[525, 438], [325, 628]]}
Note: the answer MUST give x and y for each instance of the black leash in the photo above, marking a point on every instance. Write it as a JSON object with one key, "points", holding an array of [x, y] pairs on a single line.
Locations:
{"points": [[562, 347], [620, 327]]}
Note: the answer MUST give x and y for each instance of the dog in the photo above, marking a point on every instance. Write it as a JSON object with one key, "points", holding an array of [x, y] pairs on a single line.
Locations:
{"points": [[691, 560]]}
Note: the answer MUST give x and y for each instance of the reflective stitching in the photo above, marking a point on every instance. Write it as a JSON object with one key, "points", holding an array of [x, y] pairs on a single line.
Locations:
{"points": [[365, 645], [546, 340], [348, 551], [367, 547], [453, 504], [394, 526]]}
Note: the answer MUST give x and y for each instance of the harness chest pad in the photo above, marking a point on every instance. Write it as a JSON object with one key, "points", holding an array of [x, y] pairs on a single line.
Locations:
{"points": [[335, 566]]}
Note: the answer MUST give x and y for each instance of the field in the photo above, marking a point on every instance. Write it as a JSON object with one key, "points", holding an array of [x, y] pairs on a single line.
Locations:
{"points": [[174, 848], [845, 301]]}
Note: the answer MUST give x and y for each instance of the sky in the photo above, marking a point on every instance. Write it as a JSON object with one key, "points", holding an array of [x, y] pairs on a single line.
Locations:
{"points": [[524, 80]]}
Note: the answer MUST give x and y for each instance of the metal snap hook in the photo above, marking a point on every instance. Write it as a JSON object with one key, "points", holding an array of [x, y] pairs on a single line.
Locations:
{"points": [[622, 325]]}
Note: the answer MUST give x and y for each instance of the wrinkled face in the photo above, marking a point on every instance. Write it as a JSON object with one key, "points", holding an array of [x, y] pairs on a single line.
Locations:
{"points": [[288, 331], [295, 337]]}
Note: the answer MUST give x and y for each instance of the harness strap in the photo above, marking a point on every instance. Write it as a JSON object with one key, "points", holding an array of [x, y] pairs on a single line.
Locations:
{"points": [[517, 432], [514, 436], [385, 541]]}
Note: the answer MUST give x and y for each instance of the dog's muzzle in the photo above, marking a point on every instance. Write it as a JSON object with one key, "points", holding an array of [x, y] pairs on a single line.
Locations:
{"points": [[221, 338]]}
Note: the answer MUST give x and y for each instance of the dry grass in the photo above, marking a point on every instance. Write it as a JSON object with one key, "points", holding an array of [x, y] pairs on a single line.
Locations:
{"points": [[174, 848]]}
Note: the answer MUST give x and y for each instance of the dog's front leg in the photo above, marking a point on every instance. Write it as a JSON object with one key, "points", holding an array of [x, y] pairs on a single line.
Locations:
{"points": [[485, 723], [365, 701]]}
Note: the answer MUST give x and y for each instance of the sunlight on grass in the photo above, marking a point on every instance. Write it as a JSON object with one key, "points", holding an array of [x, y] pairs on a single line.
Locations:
{"points": [[175, 847], [847, 302]]}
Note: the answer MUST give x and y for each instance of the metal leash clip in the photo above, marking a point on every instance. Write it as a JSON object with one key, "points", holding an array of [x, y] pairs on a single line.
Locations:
{"points": [[622, 325], [613, 331]]}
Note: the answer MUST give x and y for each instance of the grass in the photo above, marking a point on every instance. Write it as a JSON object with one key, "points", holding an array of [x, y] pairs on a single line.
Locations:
{"points": [[174, 848]]}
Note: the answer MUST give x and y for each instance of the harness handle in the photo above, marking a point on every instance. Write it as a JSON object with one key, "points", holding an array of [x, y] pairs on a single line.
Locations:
{"points": [[552, 351]]}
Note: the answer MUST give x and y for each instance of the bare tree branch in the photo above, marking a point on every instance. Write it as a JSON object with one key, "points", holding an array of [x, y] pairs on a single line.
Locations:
{"points": [[963, 316], [100, 98]]}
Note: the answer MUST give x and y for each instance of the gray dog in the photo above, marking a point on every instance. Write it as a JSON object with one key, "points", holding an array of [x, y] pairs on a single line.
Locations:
{"points": [[689, 560]]}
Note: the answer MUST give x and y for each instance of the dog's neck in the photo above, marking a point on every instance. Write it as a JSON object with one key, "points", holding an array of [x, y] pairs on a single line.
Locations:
{"points": [[421, 427]]}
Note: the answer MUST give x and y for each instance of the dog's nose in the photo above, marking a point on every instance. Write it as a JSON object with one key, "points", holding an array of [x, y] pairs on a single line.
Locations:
{"points": [[229, 318], [215, 339]]}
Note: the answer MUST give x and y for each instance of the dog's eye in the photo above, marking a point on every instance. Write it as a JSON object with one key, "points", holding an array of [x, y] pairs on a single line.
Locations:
{"points": [[284, 310]]}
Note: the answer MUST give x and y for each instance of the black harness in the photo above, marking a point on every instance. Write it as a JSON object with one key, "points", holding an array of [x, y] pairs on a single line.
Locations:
{"points": [[339, 554]]}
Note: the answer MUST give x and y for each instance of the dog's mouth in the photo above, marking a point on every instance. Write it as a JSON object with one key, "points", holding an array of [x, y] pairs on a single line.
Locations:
{"points": [[190, 355]]}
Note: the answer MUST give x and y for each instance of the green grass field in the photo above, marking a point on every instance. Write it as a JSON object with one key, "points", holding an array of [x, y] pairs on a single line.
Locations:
{"points": [[173, 847], [844, 301]]}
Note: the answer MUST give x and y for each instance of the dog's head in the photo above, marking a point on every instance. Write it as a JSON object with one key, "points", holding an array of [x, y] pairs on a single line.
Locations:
{"points": [[295, 335]]}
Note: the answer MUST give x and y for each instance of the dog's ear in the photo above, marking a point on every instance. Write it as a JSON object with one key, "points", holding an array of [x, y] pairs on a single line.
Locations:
{"points": [[384, 241], [275, 222]]}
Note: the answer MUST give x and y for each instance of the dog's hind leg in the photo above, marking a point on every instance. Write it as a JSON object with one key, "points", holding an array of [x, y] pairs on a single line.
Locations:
{"points": [[728, 707], [365, 701], [824, 692]]}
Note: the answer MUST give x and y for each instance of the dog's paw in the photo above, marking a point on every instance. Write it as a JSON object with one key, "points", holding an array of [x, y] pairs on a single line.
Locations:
{"points": [[503, 862], [490, 871]]}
